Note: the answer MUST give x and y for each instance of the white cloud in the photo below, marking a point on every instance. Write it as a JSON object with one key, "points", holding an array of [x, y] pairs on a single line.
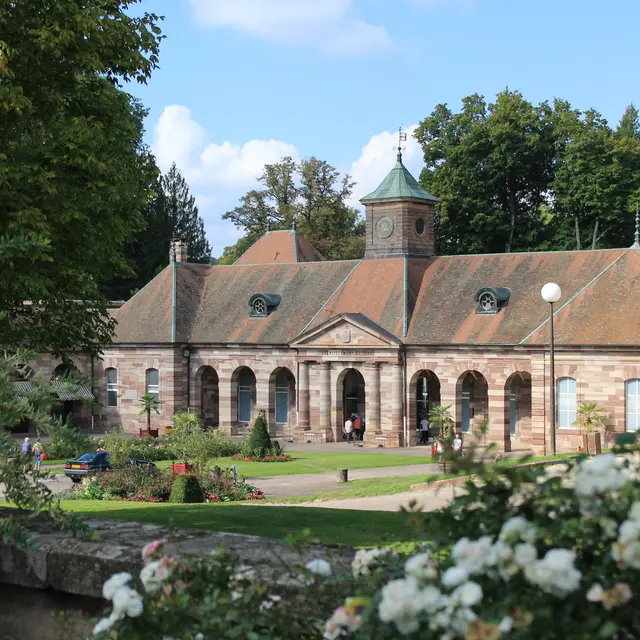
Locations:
{"points": [[218, 173], [377, 158], [326, 24]]}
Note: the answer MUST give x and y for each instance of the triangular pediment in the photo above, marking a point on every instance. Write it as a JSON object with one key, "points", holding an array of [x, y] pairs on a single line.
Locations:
{"points": [[347, 330]]}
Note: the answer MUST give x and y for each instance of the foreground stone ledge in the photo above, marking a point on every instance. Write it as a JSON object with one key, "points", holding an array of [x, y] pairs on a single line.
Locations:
{"points": [[75, 566]]}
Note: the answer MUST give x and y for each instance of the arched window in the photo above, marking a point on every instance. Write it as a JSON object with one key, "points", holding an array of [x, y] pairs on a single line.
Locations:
{"points": [[112, 387], [282, 397], [566, 403], [153, 383], [513, 408], [633, 404]]}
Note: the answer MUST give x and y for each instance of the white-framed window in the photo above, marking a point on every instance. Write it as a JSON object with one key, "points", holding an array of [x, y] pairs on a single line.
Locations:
{"points": [[632, 393], [153, 383], [566, 403], [112, 387]]}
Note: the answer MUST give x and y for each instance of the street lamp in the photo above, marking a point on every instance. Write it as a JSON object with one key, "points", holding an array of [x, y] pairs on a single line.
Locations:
{"points": [[551, 293]]}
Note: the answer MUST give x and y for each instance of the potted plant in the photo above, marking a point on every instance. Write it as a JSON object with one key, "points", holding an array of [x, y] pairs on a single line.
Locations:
{"points": [[440, 417], [591, 418], [149, 403]]}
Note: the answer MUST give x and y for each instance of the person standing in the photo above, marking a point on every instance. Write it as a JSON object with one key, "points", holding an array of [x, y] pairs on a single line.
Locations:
{"points": [[37, 452], [424, 428], [357, 426], [26, 448], [457, 444], [348, 429]]}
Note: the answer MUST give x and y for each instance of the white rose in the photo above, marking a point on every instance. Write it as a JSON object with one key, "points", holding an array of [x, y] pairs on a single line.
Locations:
{"points": [[499, 553], [524, 554], [148, 577], [104, 624], [517, 528], [127, 601], [600, 465], [421, 567], [634, 512], [595, 593], [506, 624], [401, 605], [471, 554], [629, 531], [609, 526], [631, 555], [431, 598], [319, 567], [454, 576], [468, 594], [114, 583]]}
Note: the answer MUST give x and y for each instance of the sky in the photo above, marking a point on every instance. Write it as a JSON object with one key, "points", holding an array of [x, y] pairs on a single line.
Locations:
{"points": [[243, 83]]}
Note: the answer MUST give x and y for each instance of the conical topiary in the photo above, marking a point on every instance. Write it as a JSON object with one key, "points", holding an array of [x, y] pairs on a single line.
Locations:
{"points": [[259, 444]]}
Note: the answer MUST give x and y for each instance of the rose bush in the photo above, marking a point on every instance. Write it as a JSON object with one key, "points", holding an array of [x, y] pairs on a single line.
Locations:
{"points": [[526, 553]]}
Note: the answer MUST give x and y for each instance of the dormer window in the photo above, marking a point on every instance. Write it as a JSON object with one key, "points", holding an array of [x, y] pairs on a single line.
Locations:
{"points": [[262, 304], [489, 300]]}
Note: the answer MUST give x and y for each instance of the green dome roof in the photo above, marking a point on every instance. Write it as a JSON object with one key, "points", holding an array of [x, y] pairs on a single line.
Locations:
{"points": [[399, 184]]}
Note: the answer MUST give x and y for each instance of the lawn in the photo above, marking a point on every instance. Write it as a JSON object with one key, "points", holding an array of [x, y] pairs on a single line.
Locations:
{"points": [[317, 462], [328, 526]]}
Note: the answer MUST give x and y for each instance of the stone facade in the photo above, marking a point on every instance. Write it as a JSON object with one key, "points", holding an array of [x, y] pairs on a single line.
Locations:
{"points": [[390, 372]]}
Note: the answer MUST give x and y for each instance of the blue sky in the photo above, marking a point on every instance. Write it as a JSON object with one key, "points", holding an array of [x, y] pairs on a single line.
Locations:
{"points": [[244, 82]]}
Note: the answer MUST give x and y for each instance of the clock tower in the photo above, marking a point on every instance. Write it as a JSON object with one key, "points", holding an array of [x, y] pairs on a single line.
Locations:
{"points": [[400, 217]]}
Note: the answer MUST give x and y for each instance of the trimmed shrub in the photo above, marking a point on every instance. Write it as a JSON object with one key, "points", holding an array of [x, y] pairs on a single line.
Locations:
{"points": [[135, 484], [186, 489], [259, 443], [67, 442]]}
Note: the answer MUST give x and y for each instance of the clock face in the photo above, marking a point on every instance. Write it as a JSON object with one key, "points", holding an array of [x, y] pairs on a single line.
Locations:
{"points": [[384, 227]]}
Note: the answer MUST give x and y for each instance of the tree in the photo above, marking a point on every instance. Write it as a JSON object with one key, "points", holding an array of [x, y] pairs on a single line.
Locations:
{"points": [[596, 178], [311, 191], [183, 216], [148, 404], [629, 126], [590, 417], [491, 166], [74, 171], [170, 213]]}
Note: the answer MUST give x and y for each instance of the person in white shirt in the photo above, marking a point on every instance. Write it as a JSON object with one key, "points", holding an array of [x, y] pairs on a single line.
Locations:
{"points": [[348, 429], [424, 428], [457, 443]]}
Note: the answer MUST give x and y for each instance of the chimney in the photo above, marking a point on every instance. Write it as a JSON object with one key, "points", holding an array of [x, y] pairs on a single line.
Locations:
{"points": [[178, 248]]}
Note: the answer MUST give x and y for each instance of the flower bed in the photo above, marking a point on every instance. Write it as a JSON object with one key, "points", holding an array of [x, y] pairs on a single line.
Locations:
{"points": [[282, 457], [137, 485], [525, 554]]}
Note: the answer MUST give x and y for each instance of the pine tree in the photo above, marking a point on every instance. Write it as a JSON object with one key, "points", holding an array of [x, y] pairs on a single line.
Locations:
{"points": [[629, 126], [184, 217]]}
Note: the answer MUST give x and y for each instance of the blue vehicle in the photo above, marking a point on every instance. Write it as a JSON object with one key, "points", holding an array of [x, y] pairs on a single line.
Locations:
{"points": [[89, 463]]}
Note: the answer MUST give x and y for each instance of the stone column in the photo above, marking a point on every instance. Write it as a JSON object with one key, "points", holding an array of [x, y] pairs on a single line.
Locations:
{"points": [[498, 411], [303, 399], [395, 438], [373, 399], [325, 397]]}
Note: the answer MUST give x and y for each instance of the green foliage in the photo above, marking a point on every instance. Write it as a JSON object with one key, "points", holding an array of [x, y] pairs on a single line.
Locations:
{"points": [[21, 481], [590, 417], [186, 489], [148, 404], [313, 193], [67, 442], [74, 170], [512, 175], [118, 446], [522, 553], [170, 213], [440, 417], [259, 442]]}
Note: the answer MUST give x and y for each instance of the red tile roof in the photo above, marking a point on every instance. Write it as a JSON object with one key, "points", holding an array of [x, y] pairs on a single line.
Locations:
{"points": [[280, 247], [433, 299]]}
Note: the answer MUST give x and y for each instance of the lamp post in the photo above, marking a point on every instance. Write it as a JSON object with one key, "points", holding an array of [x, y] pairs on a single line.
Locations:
{"points": [[551, 293]]}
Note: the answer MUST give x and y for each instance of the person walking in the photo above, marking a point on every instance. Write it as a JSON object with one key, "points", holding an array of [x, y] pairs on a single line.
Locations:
{"points": [[37, 452], [357, 426], [348, 429], [424, 428], [26, 448]]}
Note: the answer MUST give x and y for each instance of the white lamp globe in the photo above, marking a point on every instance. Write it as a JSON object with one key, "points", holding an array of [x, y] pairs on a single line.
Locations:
{"points": [[550, 292]]}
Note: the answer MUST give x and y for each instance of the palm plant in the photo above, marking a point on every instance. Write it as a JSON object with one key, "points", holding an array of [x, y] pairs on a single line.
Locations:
{"points": [[149, 403], [590, 417], [440, 416]]}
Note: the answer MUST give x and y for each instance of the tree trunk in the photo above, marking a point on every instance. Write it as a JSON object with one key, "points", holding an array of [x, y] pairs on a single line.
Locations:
{"points": [[578, 245], [513, 207], [149, 419], [595, 234]]}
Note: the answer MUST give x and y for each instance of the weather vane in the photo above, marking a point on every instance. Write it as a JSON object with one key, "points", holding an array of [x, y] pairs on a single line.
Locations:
{"points": [[402, 137]]}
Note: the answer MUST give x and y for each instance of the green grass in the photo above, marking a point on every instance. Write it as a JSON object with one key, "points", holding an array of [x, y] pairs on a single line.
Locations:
{"points": [[328, 526], [316, 462]]}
